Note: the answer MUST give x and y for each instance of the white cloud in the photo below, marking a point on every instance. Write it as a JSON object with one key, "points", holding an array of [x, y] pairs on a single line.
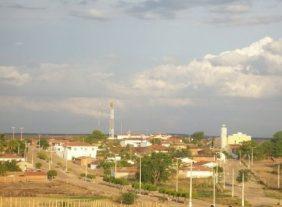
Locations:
{"points": [[11, 76], [84, 106], [254, 71], [94, 14]]}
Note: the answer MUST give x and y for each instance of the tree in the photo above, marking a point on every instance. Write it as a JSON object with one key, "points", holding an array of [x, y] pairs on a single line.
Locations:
{"points": [[107, 166], [198, 136], [38, 165], [43, 143], [277, 144], [156, 167], [51, 174], [247, 175], [42, 155], [96, 136], [15, 146], [128, 198], [180, 153]]}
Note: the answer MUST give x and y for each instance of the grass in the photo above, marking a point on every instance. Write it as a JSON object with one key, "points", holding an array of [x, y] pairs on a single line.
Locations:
{"points": [[273, 194]]}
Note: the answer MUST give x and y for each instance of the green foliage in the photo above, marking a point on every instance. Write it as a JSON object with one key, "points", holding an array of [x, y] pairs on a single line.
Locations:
{"points": [[180, 153], [107, 166], [156, 168], [96, 136], [118, 181], [42, 155], [128, 198], [8, 167], [43, 143], [277, 144], [218, 169], [38, 165], [174, 193], [145, 186], [247, 175], [51, 174], [15, 146], [198, 136], [89, 176]]}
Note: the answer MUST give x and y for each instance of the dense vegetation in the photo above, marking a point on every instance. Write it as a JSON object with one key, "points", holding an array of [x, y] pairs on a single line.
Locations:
{"points": [[8, 167]]}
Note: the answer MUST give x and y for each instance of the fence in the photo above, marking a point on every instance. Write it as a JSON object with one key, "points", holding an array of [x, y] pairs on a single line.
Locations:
{"points": [[53, 202]]}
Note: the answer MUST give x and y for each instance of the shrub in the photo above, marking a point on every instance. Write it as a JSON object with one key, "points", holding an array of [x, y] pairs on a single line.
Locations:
{"points": [[38, 165], [119, 181], [247, 175], [145, 186], [42, 155], [128, 198], [51, 174]]}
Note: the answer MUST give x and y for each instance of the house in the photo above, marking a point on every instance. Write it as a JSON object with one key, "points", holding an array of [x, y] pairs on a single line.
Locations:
{"points": [[124, 172], [204, 158], [135, 143], [94, 165], [129, 135], [115, 158], [186, 160], [11, 157], [198, 171], [72, 150], [83, 160]]}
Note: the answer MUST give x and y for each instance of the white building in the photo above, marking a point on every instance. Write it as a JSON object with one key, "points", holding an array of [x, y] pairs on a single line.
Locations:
{"points": [[132, 136], [135, 143], [71, 150], [237, 138], [197, 172], [11, 157]]}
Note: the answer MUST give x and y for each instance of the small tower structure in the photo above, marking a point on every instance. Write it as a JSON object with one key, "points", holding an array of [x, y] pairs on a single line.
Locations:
{"points": [[112, 121], [223, 137]]}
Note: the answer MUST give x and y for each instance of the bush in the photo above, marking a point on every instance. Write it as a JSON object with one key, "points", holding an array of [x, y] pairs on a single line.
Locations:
{"points": [[145, 186], [38, 165], [51, 174], [42, 155], [128, 198], [247, 175], [118, 181]]}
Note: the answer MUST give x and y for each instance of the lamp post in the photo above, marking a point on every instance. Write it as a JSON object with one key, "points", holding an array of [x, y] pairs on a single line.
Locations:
{"points": [[214, 182], [13, 131], [190, 186], [21, 133], [176, 186], [243, 189], [233, 181], [278, 176], [140, 173]]}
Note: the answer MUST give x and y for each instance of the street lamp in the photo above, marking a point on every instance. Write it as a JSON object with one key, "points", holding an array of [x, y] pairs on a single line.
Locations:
{"points": [[13, 130], [190, 187]]}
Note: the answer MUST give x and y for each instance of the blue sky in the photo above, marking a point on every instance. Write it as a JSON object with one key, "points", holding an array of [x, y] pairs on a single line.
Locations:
{"points": [[169, 65]]}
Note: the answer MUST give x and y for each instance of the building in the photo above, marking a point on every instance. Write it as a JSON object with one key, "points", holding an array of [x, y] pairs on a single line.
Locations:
{"points": [[129, 135], [198, 171], [237, 138], [72, 150], [11, 157], [124, 172], [83, 161], [135, 143]]}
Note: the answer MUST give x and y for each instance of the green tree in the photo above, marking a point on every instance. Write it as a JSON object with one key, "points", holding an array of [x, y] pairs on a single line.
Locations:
{"points": [[277, 144], [128, 198], [42, 155], [247, 175], [38, 165], [43, 143], [96, 136], [15, 146], [107, 166], [180, 153], [198, 136], [51, 174], [156, 167]]}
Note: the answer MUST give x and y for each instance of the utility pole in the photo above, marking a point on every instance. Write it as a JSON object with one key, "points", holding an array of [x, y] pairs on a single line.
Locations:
{"points": [[243, 189], [13, 130], [140, 174], [223, 177], [233, 181], [240, 157], [278, 176], [252, 156], [32, 156], [21, 133], [66, 161], [176, 187], [214, 181], [249, 161], [190, 188], [115, 166]]}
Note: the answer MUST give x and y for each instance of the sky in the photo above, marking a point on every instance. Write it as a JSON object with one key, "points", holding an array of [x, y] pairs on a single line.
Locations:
{"points": [[170, 66]]}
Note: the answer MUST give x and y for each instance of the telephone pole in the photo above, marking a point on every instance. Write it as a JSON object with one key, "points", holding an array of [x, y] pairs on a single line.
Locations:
{"points": [[140, 174], [233, 182], [21, 133], [243, 189], [278, 176], [176, 187], [13, 131], [214, 182], [190, 187]]}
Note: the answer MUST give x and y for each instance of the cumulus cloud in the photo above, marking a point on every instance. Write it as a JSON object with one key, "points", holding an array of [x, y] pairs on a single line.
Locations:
{"points": [[11, 76], [253, 72]]}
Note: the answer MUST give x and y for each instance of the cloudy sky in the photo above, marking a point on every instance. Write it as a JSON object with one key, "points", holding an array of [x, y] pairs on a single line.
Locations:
{"points": [[169, 65]]}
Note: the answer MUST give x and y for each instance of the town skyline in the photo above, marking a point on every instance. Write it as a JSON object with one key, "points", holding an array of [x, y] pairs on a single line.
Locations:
{"points": [[170, 66]]}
